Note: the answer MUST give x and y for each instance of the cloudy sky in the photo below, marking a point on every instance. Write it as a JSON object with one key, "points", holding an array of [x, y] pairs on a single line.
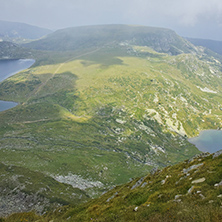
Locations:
{"points": [[189, 18]]}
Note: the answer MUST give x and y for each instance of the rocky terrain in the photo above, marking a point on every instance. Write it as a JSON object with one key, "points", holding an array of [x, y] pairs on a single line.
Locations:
{"points": [[23, 190], [96, 110], [188, 191]]}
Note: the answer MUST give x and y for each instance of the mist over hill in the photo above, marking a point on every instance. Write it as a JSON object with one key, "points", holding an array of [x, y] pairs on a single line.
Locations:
{"points": [[15, 31], [213, 45], [161, 40]]}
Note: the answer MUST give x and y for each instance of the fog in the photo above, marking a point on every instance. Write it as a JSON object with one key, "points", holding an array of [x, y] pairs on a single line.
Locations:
{"points": [[190, 18]]}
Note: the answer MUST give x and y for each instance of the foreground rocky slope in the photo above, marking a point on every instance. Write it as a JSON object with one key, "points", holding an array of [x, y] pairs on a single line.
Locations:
{"points": [[24, 190], [188, 191]]}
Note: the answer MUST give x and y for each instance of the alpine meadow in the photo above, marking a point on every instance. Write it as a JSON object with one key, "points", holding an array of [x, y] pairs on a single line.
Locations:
{"points": [[108, 110]]}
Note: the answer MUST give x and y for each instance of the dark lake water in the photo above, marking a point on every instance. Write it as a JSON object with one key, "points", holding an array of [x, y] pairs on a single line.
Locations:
{"points": [[208, 141], [9, 68]]}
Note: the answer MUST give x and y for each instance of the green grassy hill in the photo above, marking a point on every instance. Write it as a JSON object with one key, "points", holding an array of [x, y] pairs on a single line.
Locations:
{"points": [[96, 117], [161, 40]]}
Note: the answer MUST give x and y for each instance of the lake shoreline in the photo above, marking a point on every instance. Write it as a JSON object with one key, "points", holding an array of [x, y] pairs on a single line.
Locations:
{"points": [[208, 140], [7, 71]]}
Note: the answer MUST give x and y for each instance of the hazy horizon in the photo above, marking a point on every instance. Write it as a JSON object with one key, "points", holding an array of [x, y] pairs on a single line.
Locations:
{"points": [[191, 18]]}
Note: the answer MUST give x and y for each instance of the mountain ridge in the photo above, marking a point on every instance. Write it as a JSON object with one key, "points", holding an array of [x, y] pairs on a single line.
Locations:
{"points": [[160, 39], [20, 32]]}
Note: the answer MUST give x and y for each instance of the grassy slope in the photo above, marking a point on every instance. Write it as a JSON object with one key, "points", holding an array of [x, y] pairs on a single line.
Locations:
{"points": [[104, 113], [188, 191], [25, 190], [77, 110]]}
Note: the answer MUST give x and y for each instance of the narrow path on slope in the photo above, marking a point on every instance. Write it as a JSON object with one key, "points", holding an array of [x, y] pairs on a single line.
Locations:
{"points": [[56, 71]]}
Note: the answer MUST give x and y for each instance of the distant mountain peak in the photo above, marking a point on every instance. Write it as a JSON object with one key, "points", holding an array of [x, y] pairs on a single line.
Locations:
{"points": [[77, 38], [12, 31]]}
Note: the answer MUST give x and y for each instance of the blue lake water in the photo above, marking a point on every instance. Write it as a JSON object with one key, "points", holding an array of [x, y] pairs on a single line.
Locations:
{"points": [[9, 68], [208, 141]]}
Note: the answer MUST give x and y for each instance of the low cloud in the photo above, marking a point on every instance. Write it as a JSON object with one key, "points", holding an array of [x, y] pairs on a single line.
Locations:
{"points": [[55, 14]]}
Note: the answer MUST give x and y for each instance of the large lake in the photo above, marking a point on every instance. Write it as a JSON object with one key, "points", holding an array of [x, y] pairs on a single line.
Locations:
{"points": [[9, 68], [208, 141]]}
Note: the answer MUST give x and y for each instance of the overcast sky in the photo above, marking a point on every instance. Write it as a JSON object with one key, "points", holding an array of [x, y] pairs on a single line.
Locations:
{"points": [[189, 18]]}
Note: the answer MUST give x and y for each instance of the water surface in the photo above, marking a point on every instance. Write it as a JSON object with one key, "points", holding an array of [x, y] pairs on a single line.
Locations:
{"points": [[208, 141], [9, 68]]}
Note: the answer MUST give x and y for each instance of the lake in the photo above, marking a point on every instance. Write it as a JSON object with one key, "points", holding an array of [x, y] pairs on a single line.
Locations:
{"points": [[9, 68], [208, 141]]}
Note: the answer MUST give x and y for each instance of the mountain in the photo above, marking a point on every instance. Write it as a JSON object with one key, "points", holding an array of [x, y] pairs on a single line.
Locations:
{"points": [[161, 40], [15, 31], [9, 50], [213, 45], [188, 191], [111, 108]]}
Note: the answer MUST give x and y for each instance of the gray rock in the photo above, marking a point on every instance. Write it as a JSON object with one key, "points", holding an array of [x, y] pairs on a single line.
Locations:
{"points": [[202, 196], [192, 168], [177, 196], [154, 170], [144, 184], [218, 153], [218, 184], [201, 180], [205, 154], [136, 208], [112, 197], [190, 190], [138, 183]]}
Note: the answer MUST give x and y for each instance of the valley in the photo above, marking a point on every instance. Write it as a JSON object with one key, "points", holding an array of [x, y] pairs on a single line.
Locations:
{"points": [[94, 116]]}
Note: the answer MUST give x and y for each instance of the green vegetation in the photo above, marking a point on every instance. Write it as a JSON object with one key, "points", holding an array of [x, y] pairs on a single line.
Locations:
{"points": [[188, 191], [104, 113], [25, 190], [10, 50]]}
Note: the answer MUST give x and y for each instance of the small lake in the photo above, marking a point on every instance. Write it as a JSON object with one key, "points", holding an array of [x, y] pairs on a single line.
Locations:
{"points": [[208, 141], [9, 68]]}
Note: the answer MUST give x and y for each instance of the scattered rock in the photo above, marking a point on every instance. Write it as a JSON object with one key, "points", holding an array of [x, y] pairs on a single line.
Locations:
{"points": [[164, 181], [177, 196], [192, 168], [218, 153], [218, 184], [112, 197], [138, 183], [190, 190], [77, 181], [205, 154], [136, 208], [220, 196], [144, 184], [210, 201], [202, 196], [154, 170], [201, 180]]}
